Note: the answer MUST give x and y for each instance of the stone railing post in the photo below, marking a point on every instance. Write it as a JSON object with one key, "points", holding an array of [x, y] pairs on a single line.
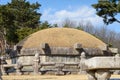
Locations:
{"points": [[3, 70], [36, 65], [0, 71], [116, 72], [18, 69], [59, 67]]}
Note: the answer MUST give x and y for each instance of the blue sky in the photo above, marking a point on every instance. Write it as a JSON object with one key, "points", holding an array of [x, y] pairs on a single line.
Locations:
{"points": [[56, 11]]}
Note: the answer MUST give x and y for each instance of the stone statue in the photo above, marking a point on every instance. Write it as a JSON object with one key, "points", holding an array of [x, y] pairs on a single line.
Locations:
{"points": [[83, 58], [36, 62]]}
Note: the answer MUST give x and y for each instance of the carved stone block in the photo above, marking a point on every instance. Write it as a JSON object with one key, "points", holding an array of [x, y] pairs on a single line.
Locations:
{"points": [[43, 45], [77, 46]]}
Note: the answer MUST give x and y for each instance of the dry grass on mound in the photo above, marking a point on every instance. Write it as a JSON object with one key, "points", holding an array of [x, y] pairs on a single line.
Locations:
{"points": [[64, 37]]}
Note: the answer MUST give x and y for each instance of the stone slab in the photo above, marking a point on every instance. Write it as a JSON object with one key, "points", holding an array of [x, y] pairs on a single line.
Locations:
{"points": [[102, 63], [114, 50]]}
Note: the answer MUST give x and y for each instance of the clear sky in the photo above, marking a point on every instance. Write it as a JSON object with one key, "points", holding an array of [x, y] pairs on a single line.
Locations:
{"points": [[56, 11]]}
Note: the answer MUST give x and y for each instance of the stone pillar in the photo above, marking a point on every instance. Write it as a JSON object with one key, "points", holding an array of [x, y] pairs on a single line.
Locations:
{"points": [[116, 72], [0, 71], [3, 70], [59, 67], [18, 69], [82, 59], [36, 65], [103, 74]]}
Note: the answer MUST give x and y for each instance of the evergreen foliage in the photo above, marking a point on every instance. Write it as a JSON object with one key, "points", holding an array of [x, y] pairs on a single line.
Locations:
{"points": [[16, 16], [108, 10]]}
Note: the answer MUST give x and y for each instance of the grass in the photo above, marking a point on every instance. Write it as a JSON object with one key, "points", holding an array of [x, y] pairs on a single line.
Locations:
{"points": [[49, 77], [62, 37]]}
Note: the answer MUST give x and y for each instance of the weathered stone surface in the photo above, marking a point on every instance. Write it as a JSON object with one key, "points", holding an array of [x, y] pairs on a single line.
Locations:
{"points": [[61, 51], [75, 50], [102, 63], [93, 51], [29, 51], [97, 68], [25, 60]]}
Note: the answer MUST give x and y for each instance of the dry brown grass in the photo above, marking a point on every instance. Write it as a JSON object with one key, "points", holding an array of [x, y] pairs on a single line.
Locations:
{"points": [[50, 77], [46, 77], [62, 37]]}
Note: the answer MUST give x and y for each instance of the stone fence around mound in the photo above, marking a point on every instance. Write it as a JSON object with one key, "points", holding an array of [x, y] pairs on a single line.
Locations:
{"points": [[37, 61], [37, 67], [91, 66]]}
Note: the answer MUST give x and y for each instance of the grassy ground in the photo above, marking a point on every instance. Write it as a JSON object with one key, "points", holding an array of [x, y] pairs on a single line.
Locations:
{"points": [[50, 77], [45, 77]]}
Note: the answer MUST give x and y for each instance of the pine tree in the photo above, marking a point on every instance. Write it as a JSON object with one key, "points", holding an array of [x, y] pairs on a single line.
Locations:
{"points": [[108, 9], [16, 15]]}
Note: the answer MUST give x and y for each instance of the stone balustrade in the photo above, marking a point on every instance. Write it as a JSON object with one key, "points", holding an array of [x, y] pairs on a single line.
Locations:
{"points": [[37, 65]]}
